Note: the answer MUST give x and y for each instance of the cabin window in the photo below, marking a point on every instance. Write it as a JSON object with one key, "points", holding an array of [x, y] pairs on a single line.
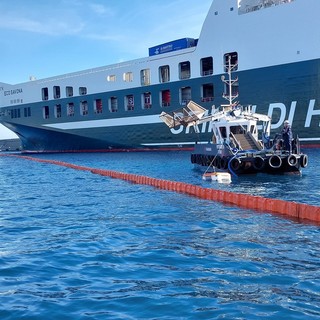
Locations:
{"points": [[56, 92], [184, 70], [45, 110], [70, 109], [83, 108], [128, 77], [237, 130], [129, 102], [165, 98], [113, 104], [111, 78], [145, 77], [223, 132], [15, 113], [57, 111], [45, 94], [206, 66], [82, 91], [97, 106], [69, 91], [27, 112], [253, 129], [164, 74], [230, 60], [185, 95], [207, 93], [146, 100]]}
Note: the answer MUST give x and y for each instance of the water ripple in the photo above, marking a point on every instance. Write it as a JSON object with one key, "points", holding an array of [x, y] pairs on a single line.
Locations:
{"points": [[80, 246]]}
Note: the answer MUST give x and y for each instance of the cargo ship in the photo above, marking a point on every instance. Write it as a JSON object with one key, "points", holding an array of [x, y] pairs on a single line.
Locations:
{"points": [[274, 43]]}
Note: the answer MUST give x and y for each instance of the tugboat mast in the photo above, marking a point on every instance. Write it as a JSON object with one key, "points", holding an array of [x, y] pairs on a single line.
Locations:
{"points": [[230, 96]]}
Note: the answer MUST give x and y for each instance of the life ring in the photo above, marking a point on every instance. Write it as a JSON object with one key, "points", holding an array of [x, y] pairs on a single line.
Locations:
{"points": [[235, 164], [258, 163], [303, 160], [292, 160], [275, 162]]}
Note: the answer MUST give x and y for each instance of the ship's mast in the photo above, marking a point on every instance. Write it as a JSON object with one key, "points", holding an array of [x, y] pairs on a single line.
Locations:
{"points": [[230, 96]]}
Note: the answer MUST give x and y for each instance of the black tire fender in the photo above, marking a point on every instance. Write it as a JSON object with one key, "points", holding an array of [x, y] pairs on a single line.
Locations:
{"points": [[235, 164], [292, 160], [275, 162], [304, 160], [258, 163]]}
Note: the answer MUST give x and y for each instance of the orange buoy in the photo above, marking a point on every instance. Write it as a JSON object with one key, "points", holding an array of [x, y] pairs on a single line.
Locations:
{"points": [[288, 208]]}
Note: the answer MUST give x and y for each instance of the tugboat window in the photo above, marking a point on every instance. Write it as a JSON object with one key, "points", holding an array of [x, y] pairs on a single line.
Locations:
{"points": [[223, 132]]}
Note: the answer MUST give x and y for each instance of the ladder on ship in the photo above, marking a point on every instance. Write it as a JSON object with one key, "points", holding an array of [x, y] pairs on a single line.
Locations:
{"points": [[247, 142]]}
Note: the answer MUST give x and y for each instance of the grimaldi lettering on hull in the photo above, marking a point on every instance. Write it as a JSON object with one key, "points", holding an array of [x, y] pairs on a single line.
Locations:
{"points": [[280, 107]]}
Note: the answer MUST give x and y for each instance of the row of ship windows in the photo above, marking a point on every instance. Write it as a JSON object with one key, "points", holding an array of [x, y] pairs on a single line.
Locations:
{"points": [[130, 102], [145, 77], [206, 66]]}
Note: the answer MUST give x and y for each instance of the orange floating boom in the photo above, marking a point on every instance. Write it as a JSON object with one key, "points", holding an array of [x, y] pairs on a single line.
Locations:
{"points": [[288, 208]]}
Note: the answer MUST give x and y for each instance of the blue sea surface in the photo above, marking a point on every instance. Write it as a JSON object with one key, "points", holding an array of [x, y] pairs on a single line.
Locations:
{"points": [[77, 245]]}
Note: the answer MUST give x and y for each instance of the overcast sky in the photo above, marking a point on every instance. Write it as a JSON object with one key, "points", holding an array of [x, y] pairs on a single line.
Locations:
{"points": [[50, 37]]}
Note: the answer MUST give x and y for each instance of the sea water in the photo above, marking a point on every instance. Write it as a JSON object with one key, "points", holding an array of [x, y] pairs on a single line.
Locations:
{"points": [[76, 245]]}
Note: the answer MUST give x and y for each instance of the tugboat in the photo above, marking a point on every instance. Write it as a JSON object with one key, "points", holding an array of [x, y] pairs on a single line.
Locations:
{"points": [[237, 146]]}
